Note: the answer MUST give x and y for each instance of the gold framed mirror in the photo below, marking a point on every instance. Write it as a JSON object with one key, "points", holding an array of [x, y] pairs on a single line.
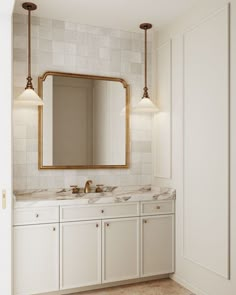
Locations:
{"points": [[84, 123]]}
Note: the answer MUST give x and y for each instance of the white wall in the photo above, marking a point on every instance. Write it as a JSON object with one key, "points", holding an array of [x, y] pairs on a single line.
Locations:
{"points": [[162, 120], [200, 87], [72, 47], [6, 146]]}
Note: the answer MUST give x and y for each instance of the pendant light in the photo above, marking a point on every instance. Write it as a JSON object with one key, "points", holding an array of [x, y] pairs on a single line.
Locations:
{"points": [[145, 105], [29, 96]]}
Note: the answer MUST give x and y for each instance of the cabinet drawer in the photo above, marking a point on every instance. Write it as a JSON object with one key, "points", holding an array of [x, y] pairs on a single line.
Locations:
{"points": [[158, 207], [69, 213], [36, 215]]}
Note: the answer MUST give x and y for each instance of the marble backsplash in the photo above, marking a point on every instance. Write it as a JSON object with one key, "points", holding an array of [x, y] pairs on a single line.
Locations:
{"points": [[72, 47]]}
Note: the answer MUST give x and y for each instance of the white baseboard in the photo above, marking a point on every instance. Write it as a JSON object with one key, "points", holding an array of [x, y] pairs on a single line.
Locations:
{"points": [[187, 285]]}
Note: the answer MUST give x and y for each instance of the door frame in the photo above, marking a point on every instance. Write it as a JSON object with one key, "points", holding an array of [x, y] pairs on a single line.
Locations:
{"points": [[6, 11]]}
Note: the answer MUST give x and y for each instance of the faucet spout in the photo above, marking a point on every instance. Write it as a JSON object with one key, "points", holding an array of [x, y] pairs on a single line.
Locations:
{"points": [[87, 187]]}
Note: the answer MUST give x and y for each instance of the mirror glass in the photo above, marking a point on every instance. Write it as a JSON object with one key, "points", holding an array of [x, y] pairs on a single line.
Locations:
{"points": [[84, 122]]}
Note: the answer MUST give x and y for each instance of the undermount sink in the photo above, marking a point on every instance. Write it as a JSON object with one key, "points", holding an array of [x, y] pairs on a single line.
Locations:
{"points": [[66, 194], [81, 193], [66, 197], [90, 195]]}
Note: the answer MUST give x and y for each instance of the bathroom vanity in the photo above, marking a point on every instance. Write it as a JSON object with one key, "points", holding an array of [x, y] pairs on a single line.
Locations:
{"points": [[63, 243]]}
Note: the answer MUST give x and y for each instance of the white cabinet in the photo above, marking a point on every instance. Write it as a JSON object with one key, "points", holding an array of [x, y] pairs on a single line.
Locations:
{"points": [[36, 259], [80, 260], [27, 216], [120, 249], [91, 245], [86, 212], [157, 245]]}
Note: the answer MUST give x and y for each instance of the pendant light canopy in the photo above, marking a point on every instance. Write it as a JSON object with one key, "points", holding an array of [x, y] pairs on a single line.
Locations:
{"points": [[145, 105], [29, 96]]}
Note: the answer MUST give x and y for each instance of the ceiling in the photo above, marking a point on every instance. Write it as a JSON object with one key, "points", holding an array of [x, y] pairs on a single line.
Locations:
{"points": [[116, 14]]}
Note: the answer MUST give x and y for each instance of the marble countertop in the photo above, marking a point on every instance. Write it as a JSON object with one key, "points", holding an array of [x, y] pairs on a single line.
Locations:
{"points": [[44, 197]]}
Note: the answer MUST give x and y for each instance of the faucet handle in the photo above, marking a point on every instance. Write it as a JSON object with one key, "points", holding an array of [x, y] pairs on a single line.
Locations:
{"points": [[99, 188], [75, 189]]}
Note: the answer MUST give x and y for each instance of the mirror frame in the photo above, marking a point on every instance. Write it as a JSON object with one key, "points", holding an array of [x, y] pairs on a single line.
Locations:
{"points": [[41, 79]]}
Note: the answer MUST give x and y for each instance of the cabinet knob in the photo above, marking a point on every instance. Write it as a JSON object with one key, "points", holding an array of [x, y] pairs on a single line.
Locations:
{"points": [[158, 207], [108, 224], [97, 225], [102, 211], [37, 215], [144, 221], [54, 229]]}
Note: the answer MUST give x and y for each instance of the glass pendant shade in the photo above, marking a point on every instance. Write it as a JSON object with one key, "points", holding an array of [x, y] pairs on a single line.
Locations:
{"points": [[145, 105], [29, 98]]}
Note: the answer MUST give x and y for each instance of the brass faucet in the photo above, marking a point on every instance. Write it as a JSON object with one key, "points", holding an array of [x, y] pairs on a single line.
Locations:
{"points": [[87, 187]]}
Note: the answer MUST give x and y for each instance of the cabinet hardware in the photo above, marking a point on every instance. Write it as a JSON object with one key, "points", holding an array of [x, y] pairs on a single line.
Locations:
{"points": [[75, 189], [37, 215], [54, 229], [96, 225], [158, 207], [102, 211], [145, 221], [107, 224], [4, 199]]}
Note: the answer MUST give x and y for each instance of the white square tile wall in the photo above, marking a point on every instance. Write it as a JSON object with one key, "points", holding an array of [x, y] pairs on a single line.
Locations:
{"points": [[72, 47]]}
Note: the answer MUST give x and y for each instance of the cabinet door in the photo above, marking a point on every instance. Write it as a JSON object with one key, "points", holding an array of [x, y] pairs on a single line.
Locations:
{"points": [[36, 259], [120, 249], [80, 254], [157, 246]]}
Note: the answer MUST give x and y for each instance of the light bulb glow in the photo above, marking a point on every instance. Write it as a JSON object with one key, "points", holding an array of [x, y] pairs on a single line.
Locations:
{"points": [[29, 98], [145, 105]]}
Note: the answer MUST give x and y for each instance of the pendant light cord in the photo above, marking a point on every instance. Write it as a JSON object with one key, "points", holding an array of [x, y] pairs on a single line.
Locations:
{"points": [[29, 43], [145, 89], [29, 84], [145, 66]]}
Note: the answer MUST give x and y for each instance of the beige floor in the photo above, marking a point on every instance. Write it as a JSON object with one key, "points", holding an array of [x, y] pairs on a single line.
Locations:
{"points": [[160, 287]]}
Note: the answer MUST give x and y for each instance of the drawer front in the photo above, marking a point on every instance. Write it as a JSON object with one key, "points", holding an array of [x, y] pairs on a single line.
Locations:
{"points": [[69, 213], [36, 215], [158, 207]]}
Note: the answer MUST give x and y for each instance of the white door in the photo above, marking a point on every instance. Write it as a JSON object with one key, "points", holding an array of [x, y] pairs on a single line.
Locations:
{"points": [[157, 246], [5, 147], [80, 259], [120, 249], [36, 259]]}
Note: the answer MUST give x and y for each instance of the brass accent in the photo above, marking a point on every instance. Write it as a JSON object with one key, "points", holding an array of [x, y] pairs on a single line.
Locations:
{"points": [[4, 199], [99, 188], [29, 7], [87, 188], [145, 27], [75, 189], [41, 79]]}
